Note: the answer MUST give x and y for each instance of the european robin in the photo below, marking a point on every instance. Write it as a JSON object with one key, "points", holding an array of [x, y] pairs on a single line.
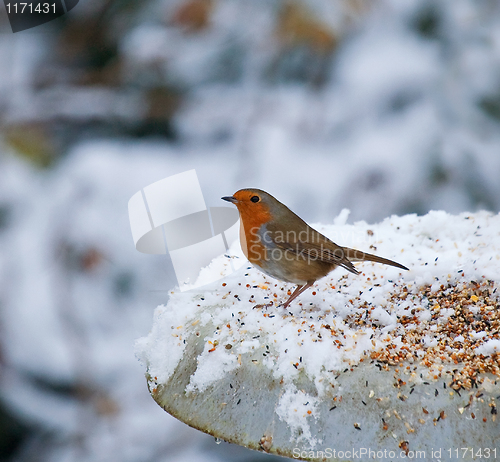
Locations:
{"points": [[285, 247]]}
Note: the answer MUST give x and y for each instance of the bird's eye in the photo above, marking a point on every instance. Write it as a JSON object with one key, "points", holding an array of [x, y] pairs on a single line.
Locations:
{"points": [[255, 198]]}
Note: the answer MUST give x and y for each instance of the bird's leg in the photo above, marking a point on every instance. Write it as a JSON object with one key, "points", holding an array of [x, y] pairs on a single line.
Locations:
{"points": [[297, 292]]}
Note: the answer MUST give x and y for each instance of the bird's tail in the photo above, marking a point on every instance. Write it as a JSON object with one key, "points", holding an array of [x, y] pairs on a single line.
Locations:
{"points": [[357, 255]]}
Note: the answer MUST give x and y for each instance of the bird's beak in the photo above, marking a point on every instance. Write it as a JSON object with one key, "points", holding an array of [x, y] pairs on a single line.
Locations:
{"points": [[230, 199]]}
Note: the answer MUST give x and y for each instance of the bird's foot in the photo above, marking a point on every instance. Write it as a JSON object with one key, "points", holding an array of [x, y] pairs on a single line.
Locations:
{"points": [[283, 309]]}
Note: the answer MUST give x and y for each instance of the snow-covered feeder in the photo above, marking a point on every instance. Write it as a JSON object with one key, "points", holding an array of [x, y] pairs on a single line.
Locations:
{"points": [[384, 365]]}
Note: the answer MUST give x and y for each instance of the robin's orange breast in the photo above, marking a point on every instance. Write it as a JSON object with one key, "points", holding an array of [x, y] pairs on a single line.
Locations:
{"points": [[252, 244]]}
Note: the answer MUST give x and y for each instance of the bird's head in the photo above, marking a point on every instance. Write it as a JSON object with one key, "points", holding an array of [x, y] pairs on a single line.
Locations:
{"points": [[256, 207]]}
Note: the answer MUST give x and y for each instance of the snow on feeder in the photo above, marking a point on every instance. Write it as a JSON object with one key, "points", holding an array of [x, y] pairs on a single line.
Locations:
{"points": [[379, 365]]}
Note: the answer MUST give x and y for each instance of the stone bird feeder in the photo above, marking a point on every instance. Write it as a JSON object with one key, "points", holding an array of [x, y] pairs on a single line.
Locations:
{"points": [[380, 366]]}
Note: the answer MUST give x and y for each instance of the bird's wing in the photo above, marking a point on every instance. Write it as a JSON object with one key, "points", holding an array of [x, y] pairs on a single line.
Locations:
{"points": [[329, 253], [310, 244]]}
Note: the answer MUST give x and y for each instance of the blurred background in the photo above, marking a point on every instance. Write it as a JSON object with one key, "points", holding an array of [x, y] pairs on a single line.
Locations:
{"points": [[380, 106]]}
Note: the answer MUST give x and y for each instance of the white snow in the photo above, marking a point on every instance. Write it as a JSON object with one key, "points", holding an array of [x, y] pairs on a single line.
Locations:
{"points": [[489, 347], [296, 408]]}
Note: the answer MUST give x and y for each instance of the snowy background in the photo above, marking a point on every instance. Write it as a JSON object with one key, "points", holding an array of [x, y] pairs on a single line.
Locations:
{"points": [[380, 106]]}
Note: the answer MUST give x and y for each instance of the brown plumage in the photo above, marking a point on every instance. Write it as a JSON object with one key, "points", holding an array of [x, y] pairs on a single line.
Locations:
{"points": [[284, 246]]}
